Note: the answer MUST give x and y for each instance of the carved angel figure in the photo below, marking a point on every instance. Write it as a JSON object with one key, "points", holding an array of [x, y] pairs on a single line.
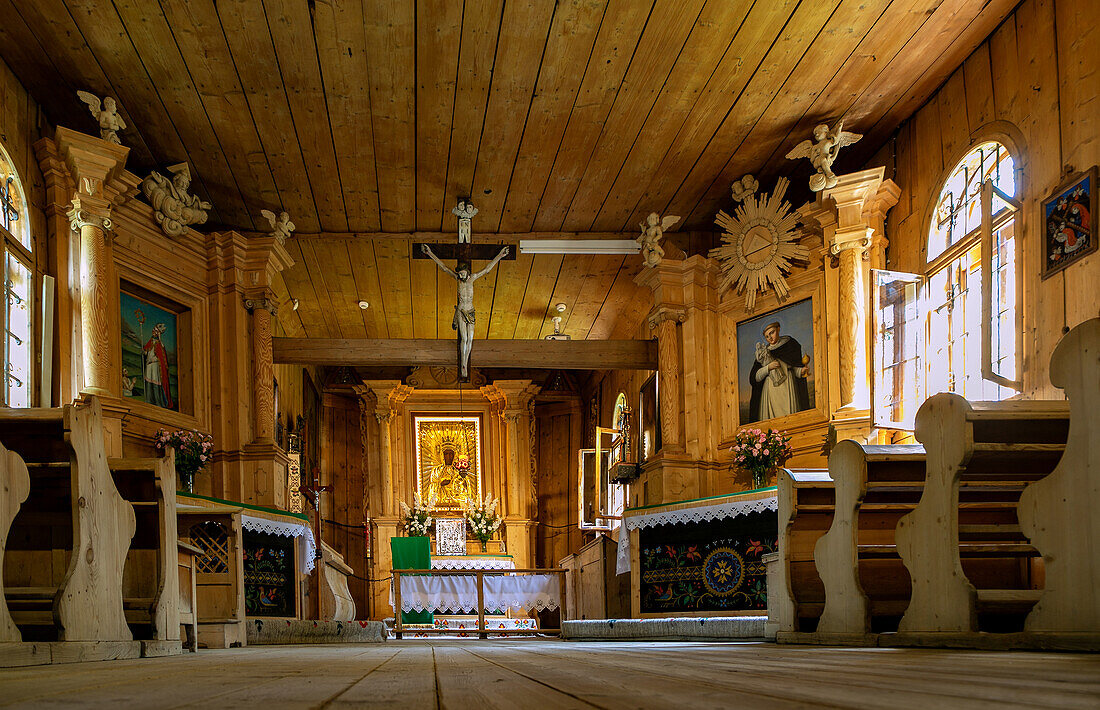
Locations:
{"points": [[281, 227], [823, 152], [740, 189], [465, 211], [653, 230], [106, 114], [174, 207]]}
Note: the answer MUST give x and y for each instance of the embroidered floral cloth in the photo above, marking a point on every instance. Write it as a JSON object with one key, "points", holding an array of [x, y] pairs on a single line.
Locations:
{"points": [[286, 529], [458, 593]]}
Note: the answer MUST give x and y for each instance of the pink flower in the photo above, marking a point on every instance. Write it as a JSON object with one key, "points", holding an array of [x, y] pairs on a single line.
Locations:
{"points": [[765, 452]]}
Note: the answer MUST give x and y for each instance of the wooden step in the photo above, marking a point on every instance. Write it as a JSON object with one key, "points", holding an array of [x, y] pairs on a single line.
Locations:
{"points": [[1007, 601], [966, 549], [29, 593]]}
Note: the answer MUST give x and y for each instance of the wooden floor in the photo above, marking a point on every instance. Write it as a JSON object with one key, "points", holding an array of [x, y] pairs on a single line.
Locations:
{"points": [[543, 674]]}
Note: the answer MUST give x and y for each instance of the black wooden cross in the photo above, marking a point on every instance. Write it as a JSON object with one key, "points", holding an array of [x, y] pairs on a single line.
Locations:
{"points": [[464, 253], [11, 212]]}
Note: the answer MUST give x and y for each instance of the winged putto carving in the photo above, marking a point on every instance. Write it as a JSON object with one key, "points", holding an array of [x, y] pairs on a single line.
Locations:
{"points": [[106, 114], [281, 226], [653, 230], [822, 151]]}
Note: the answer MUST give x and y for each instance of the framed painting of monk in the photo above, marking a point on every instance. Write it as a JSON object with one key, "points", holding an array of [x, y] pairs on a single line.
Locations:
{"points": [[448, 460], [775, 363], [150, 348]]}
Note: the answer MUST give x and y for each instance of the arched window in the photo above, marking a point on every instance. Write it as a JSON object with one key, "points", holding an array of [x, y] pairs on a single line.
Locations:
{"points": [[17, 269], [955, 327]]}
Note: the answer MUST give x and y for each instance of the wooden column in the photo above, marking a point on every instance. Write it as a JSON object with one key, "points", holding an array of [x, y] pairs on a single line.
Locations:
{"points": [[514, 399], [385, 395], [664, 320], [263, 310], [93, 165]]}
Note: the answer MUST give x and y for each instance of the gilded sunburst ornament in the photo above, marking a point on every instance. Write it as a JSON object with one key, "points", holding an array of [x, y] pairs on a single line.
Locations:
{"points": [[760, 244]]}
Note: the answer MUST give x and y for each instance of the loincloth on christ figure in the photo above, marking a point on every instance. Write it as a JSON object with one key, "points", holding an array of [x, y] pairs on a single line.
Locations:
{"points": [[467, 316]]}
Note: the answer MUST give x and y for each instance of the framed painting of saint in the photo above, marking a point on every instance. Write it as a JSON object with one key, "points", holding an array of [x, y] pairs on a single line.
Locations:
{"points": [[775, 363], [448, 460], [1069, 232], [150, 350]]}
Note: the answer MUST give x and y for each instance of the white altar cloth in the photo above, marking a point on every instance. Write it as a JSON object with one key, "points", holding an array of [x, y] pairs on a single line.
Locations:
{"points": [[458, 593], [465, 562]]}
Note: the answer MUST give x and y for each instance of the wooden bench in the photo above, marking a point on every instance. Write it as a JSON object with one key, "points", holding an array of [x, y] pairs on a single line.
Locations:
{"points": [[219, 573], [151, 581], [806, 501], [337, 603], [66, 547], [15, 486], [187, 558], [1060, 512], [994, 450]]}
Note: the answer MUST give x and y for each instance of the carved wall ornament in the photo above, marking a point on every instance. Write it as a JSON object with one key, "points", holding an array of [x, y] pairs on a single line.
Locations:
{"points": [[442, 377], [653, 230], [465, 211], [173, 205], [822, 151], [266, 304], [761, 242], [740, 189], [106, 115], [281, 226]]}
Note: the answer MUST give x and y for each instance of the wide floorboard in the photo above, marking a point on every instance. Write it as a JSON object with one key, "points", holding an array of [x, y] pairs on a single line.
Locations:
{"points": [[545, 674]]}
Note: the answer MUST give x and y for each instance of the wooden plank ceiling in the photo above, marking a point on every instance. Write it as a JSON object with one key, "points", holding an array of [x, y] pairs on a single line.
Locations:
{"points": [[369, 117]]}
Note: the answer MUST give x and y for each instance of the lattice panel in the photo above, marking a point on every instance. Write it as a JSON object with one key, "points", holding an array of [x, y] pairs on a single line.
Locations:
{"points": [[213, 539]]}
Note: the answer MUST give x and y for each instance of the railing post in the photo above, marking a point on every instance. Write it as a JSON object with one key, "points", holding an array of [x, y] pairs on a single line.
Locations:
{"points": [[397, 603], [561, 603], [481, 605]]}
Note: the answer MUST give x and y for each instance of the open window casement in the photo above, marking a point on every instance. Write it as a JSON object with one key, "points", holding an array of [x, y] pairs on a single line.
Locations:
{"points": [[898, 352], [1001, 315], [592, 484]]}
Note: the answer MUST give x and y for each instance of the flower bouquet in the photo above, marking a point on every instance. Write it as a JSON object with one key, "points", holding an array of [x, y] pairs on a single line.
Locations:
{"points": [[761, 452], [418, 519], [483, 520], [193, 452]]}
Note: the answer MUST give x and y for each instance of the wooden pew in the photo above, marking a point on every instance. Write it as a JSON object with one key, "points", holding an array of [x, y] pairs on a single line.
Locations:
{"points": [[805, 512], [864, 580], [66, 548], [187, 565], [219, 575], [336, 600], [1060, 512], [997, 448], [15, 486], [151, 579]]}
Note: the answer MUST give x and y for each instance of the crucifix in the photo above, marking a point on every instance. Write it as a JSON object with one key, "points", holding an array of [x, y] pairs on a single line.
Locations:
{"points": [[7, 204], [464, 253], [313, 495]]}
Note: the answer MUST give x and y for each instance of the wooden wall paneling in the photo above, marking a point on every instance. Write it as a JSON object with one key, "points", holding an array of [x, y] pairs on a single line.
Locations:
{"points": [[591, 295], [772, 130], [439, 28], [929, 169], [1006, 87], [246, 29], [782, 57], [623, 23], [196, 30], [392, 262], [368, 286], [299, 69], [340, 36], [288, 320], [711, 37], [574, 267], [978, 77], [1043, 299], [630, 323], [339, 284], [572, 35], [300, 286], [537, 306], [954, 126], [511, 285], [477, 52], [622, 291], [424, 279], [138, 42], [1079, 104], [305, 263], [744, 55], [520, 45], [446, 295], [951, 37], [484, 298], [662, 45], [27, 59]]}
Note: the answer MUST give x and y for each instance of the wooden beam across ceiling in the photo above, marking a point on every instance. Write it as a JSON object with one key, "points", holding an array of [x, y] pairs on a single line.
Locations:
{"points": [[534, 354]]}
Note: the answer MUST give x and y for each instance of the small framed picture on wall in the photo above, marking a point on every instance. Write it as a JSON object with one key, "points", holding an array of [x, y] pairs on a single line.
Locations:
{"points": [[1069, 232]]}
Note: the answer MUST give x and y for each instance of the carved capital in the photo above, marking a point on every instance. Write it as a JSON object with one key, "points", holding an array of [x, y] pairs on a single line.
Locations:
{"points": [[383, 416], [266, 304], [81, 216], [860, 238], [660, 314]]}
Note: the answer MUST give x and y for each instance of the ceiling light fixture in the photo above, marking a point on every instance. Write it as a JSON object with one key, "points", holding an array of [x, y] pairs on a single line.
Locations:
{"points": [[578, 246], [557, 334], [364, 305]]}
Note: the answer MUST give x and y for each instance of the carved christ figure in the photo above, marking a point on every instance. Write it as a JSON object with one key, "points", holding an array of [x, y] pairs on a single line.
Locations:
{"points": [[464, 311]]}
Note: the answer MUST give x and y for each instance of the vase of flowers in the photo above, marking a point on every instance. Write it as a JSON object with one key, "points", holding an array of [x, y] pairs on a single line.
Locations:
{"points": [[483, 520], [193, 451], [418, 518], [761, 452]]}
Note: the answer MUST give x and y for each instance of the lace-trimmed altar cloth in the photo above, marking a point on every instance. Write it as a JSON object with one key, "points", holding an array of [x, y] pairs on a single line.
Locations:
{"points": [[690, 512], [458, 593], [304, 533], [473, 562]]}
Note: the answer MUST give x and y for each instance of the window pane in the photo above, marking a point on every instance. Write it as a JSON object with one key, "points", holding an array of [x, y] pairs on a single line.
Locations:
{"points": [[958, 212], [13, 206], [896, 357], [18, 336], [1003, 300]]}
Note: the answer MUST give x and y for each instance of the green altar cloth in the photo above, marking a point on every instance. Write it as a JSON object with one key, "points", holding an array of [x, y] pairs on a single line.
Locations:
{"points": [[412, 553]]}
